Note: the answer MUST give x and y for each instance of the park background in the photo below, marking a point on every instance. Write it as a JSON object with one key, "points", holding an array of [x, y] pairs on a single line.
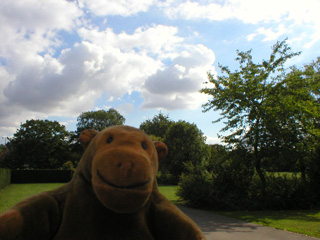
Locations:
{"points": [[63, 62]]}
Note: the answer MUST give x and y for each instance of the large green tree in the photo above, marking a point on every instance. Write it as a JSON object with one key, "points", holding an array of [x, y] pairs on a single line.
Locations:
{"points": [[157, 126], [99, 120], [38, 144], [186, 144], [247, 99]]}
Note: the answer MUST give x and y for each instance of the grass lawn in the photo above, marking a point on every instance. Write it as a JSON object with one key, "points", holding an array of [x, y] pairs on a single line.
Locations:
{"points": [[14, 193], [304, 222], [170, 193]]}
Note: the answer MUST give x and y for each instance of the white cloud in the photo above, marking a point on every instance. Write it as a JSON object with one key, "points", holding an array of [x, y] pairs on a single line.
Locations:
{"points": [[116, 7], [196, 10], [155, 39], [38, 85], [248, 11], [177, 86], [29, 27], [213, 140], [269, 34], [38, 82], [285, 16]]}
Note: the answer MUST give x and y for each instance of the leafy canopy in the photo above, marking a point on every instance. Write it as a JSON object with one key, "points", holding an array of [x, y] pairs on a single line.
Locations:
{"points": [[246, 96], [99, 120], [39, 144], [157, 126]]}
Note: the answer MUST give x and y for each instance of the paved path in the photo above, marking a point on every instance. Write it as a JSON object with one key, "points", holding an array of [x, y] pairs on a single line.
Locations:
{"points": [[216, 227]]}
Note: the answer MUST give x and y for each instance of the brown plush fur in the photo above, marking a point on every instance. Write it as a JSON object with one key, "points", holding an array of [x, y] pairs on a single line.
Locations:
{"points": [[113, 195]]}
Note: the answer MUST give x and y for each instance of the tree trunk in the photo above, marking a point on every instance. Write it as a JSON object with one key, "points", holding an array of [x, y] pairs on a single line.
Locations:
{"points": [[302, 167], [261, 175], [257, 158]]}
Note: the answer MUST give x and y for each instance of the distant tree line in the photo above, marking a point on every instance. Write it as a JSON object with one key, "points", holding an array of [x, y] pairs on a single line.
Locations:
{"points": [[44, 144]]}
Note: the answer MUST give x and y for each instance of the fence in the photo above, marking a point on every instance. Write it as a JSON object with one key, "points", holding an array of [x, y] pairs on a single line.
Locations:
{"points": [[41, 176]]}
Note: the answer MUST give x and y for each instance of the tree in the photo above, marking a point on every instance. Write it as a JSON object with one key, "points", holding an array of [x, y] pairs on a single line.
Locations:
{"points": [[246, 99], [40, 144], [186, 144], [3, 152], [99, 120], [157, 126], [298, 113]]}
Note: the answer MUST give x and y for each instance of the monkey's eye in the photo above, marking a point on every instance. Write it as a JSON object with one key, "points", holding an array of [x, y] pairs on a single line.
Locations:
{"points": [[109, 140], [144, 145]]}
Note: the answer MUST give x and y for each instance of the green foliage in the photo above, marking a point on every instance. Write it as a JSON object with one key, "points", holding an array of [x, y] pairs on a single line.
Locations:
{"points": [[165, 177], [232, 184], [155, 138], [41, 144], [5, 177], [157, 126], [219, 186], [69, 166], [99, 120], [186, 144], [274, 115], [313, 173], [3, 153], [196, 185]]}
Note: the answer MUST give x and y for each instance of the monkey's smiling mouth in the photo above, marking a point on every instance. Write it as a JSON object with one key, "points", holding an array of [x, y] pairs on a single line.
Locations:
{"points": [[122, 187]]}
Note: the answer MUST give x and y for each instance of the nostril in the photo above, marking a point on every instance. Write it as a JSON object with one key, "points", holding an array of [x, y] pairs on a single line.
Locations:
{"points": [[125, 165]]}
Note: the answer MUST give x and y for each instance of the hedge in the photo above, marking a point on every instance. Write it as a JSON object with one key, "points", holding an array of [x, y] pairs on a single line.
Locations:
{"points": [[5, 175], [41, 176]]}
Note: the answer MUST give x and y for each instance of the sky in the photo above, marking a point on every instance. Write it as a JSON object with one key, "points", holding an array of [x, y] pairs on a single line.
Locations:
{"points": [[60, 58]]}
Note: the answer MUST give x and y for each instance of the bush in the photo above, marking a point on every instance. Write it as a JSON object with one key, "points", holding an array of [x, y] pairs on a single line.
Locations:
{"points": [[234, 185], [5, 176], [195, 186], [284, 191], [313, 172], [222, 187], [166, 178], [41, 176]]}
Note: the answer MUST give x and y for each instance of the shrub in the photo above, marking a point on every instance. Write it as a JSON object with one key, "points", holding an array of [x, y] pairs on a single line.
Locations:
{"points": [[195, 186], [235, 186], [222, 187], [313, 172], [5, 176], [166, 178], [284, 191]]}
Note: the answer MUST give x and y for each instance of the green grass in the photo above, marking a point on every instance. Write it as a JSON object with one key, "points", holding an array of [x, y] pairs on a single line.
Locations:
{"points": [[170, 193], [14, 193], [304, 222]]}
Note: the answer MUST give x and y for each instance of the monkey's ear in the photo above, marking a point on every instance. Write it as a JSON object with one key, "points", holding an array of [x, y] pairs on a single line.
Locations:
{"points": [[86, 136], [162, 149]]}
